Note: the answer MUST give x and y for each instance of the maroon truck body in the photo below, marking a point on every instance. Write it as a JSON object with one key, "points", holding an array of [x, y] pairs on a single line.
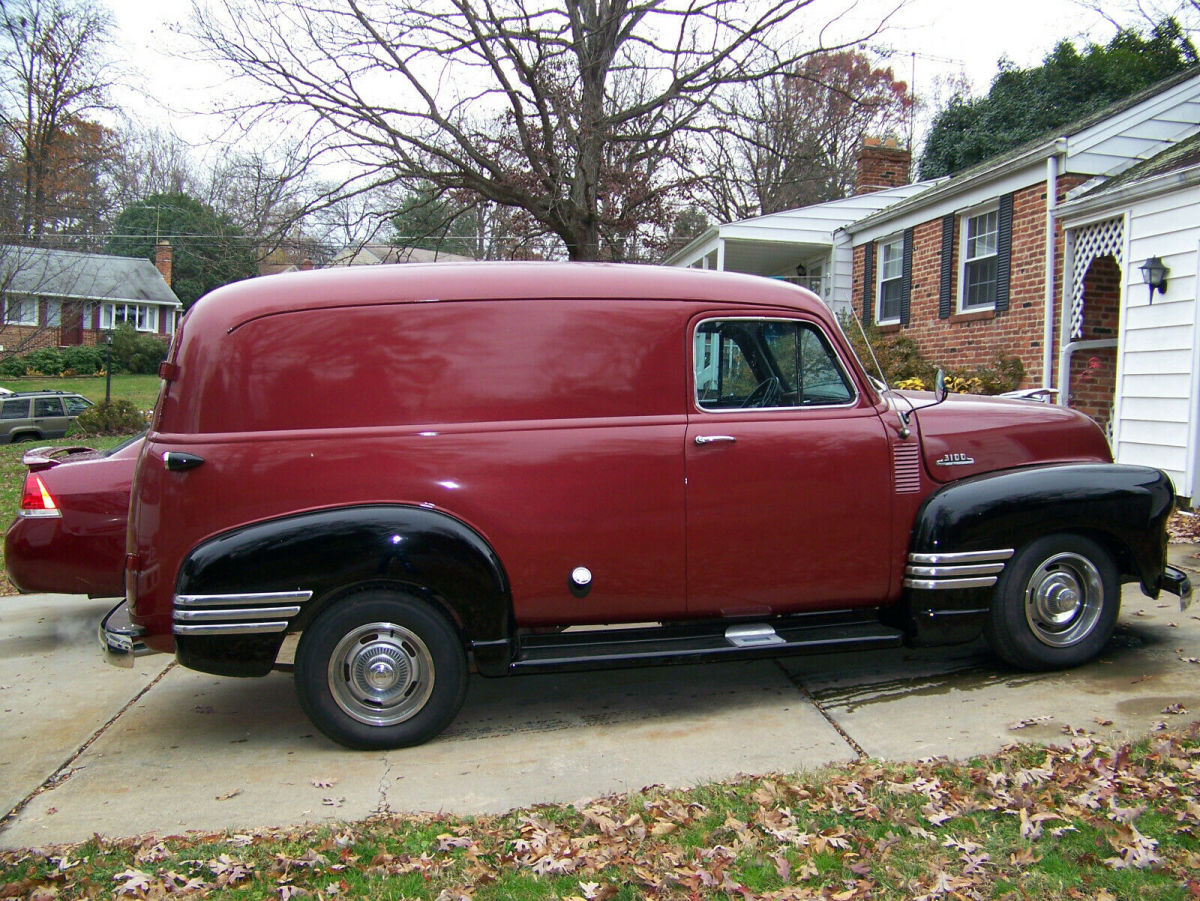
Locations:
{"points": [[426, 468]]}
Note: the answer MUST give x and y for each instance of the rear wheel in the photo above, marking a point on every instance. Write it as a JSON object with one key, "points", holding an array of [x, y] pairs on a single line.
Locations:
{"points": [[1056, 603], [381, 670]]}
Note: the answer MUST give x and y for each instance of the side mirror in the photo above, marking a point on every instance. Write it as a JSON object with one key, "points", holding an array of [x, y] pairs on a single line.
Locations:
{"points": [[939, 387]]}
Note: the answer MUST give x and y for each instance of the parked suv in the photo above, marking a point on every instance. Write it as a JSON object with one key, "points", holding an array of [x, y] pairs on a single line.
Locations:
{"points": [[425, 470], [34, 415]]}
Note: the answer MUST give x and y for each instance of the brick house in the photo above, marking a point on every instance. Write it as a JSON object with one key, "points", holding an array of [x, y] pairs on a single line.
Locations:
{"points": [[973, 267], [58, 298]]}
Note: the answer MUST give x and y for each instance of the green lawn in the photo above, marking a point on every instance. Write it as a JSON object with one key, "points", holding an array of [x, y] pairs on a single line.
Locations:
{"points": [[141, 389], [1083, 822]]}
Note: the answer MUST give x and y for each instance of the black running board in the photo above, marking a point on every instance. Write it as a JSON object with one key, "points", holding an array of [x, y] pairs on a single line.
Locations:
{"points": [[651, 645]]}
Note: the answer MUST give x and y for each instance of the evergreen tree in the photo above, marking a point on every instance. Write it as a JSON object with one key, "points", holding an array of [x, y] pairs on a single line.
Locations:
{"points": [[1025, 104], [209, 250]]}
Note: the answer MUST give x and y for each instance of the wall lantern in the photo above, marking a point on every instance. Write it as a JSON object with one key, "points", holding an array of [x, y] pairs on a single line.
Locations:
{"points": [[1154, 274], [801, 270]]}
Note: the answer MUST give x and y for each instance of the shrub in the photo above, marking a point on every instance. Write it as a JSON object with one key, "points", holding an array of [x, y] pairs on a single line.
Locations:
{"points": [[135, 352], [83, 359], [904, 366], [12, 367], [44, 361], [117, 417]]}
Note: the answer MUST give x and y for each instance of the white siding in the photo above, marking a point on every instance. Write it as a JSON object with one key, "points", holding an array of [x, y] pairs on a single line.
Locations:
{"points": [[1157, 383]]}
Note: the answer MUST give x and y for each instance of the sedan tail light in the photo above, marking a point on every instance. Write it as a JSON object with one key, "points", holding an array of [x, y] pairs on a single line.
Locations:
{"points": [[36, 499]]}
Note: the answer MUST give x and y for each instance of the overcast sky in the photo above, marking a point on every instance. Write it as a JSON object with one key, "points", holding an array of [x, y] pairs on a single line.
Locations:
{"points": [[947, 36]]}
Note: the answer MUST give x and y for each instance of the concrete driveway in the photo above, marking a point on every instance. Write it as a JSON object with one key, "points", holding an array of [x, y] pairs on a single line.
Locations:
{"points": [[86, 748]]}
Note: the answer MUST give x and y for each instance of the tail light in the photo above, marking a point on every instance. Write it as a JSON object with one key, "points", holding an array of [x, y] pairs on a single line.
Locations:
{"points": [[36, 499]]}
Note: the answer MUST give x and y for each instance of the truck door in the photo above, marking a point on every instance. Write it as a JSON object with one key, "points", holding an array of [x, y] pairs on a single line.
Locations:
{"points": [[788, 474]]}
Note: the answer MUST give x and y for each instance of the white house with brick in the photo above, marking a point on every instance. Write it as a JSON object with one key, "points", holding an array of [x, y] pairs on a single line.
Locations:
{"points": [[56, 298], [1012, 257], [808, 245]]}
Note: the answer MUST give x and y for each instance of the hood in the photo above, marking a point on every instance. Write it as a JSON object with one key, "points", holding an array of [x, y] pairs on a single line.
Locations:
{"points": [[968, 434]]}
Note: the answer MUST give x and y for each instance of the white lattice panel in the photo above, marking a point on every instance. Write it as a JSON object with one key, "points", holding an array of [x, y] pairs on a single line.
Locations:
{"points": [[1100, 239]]}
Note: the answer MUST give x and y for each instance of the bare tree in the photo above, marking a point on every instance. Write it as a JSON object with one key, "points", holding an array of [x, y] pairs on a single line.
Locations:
{"points": [[793, 140], [53, 74], [581, 115], [151, 161]]}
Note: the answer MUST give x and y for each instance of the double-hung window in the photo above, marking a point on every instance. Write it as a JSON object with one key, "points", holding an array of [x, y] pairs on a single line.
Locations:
{"points": [[20, 310], [891, 273], [980, 257]]}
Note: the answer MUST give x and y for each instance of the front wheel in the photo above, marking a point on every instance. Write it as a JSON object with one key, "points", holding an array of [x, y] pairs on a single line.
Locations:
{"points": [[381, 670], [1056, 604]]}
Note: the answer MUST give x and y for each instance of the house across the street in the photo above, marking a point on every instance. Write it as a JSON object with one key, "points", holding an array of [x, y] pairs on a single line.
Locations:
{"points": [[58, 298]]}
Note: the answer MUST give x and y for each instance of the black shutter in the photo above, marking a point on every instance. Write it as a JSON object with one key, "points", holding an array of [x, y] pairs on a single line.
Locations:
{"points": [[1004, 252], [868, 295], [945, 287], [906, 277]]}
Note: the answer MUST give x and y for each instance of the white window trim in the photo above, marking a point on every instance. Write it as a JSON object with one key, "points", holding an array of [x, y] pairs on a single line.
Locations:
{"points": [[964, 219], [145, 316], [897, 238], [25, 302]]}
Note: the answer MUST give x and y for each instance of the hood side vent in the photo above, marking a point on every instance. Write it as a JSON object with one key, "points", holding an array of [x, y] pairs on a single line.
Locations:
{"points": [[906, 466]]}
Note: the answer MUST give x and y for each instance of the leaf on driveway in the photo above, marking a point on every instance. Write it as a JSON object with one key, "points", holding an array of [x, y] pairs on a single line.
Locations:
{"points": [[228, 795], [1030, 721]]}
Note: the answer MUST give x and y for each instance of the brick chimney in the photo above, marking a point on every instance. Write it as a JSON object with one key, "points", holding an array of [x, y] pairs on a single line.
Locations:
{"points": [[881, 165], [163, 255]]}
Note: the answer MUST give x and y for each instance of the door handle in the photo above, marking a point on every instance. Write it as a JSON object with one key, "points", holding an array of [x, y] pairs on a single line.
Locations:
{"points": [[175, 461], [715, 439]]}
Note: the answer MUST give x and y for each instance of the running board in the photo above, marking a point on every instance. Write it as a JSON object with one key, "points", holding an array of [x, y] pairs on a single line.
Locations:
{"points": [[647, 646]]}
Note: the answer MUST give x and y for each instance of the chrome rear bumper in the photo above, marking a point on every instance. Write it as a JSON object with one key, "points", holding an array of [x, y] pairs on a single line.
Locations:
{"points": [[120, 638], [1175, 581]]}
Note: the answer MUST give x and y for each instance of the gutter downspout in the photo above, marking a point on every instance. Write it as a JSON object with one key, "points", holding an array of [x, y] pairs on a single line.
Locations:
{"points": [[1060, 148]]}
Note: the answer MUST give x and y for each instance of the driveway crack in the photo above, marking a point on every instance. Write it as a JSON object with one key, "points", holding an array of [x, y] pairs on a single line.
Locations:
{"points": [[820, 708], [68, 768]]}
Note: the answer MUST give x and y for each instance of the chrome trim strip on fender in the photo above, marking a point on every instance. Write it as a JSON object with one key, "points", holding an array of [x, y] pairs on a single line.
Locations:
{"points": [[230, 628], [964, 569], [946, 584], [962, 557], [967, 569], [236, 614], [215, 600]]}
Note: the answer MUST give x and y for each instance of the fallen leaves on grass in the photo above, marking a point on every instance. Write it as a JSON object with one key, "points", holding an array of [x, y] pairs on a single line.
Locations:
{"points": [[926, 830]]}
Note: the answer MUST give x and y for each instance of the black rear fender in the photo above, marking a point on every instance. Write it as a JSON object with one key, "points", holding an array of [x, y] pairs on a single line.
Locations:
{"points": [[238, 593]]}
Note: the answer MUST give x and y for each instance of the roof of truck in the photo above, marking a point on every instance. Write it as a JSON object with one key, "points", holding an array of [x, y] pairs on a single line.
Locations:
{"points": [[449, 282]]}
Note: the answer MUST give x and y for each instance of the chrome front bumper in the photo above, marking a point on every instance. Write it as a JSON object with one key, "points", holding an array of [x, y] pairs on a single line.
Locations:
{"points": [[1175, 581], [120, 638]]}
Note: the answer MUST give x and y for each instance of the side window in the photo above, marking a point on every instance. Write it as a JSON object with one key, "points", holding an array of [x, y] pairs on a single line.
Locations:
{"points": [[47, 406], [891, 270], [980, 245], [76, 405], [14, 409], [766, 363]]}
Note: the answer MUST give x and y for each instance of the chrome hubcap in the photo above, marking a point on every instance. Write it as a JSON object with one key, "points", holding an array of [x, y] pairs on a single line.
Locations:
{"points": [[1063, 600], [381, 674]]}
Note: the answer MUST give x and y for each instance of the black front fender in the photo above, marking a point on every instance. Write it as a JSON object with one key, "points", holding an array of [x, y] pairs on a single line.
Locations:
{"points": [[308, 560], [1126, 507], [966, 532]]}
